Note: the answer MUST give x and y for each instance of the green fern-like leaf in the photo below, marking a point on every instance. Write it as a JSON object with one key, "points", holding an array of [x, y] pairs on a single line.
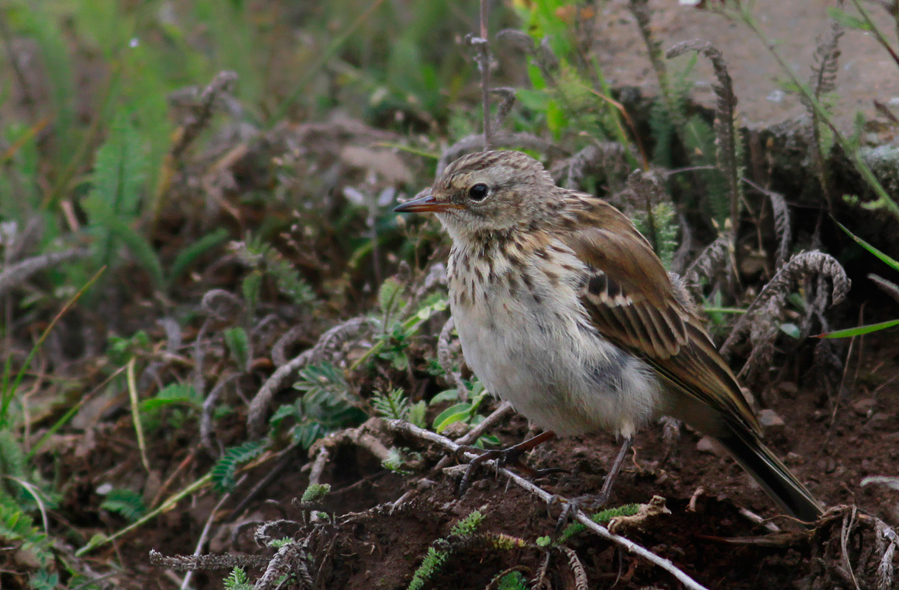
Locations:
{"points": [[325, 406], [17, 527], [238, 580], [127, 503], [513, 581], [468, 525], [418, 414], [290, 283], [430, 565], [602, 517], [189, 255], [122, 233], [699, 139], [316, 492], [119, 169], [176, 394], [224, 470], [239, 345], [435, 558], [666, 228], [389, 296], [12, 465], [251, 287], [113, 203], [256, 254], [394, 405]]}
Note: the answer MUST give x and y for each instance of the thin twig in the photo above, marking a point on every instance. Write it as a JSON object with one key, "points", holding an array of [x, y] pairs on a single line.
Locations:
{"points": [[848, 525], [446, 361], [475, 433], [135, 414], [484, 65], [16, 274], [185, 583]]}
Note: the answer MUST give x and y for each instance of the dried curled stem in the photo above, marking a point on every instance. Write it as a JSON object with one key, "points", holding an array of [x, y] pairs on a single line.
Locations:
{"points": [[782, 226], [761, 319], [332, 338], [725, 107]]}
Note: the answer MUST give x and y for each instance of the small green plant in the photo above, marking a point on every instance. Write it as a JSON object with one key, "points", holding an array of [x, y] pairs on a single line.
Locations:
{"points": [[126, 503], [279, 543], [316, 492], [568, 89], [662, 224], [512, 581], [463, 411], [180, 399], [325, 406], [113, 205], [263, 259], [238, 343], [398, 322], [435, 558], [226, 467], [18, 498], [120, 350], [393, 405], [602, 517], [238, 580]]}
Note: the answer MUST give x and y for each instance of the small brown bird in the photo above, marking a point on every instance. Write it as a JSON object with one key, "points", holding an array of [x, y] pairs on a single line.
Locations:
{"points": [[563, 309]]}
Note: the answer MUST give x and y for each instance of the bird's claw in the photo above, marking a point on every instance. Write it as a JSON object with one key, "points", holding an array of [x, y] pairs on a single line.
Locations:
{"points": [[573, 505], [510, 457]]}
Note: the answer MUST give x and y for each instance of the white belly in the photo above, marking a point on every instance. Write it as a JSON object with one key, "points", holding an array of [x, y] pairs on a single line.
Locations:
{"points": [[546, 359]]}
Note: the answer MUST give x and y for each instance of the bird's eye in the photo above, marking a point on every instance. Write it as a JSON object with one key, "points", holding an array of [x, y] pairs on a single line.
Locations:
{"points": [[478, 192]]}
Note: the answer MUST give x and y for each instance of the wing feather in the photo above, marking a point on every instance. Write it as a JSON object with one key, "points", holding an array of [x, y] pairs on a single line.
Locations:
{"points": [[634, 304]]}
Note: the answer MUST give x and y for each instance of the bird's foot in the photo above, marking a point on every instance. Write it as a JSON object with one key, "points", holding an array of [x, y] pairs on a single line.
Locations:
{"points": [[594, 501], [508, 457], [587, 502]]}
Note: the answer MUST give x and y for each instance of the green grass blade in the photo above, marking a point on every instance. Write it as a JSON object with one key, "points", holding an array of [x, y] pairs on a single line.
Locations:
{"points": [[850, 332], [893, 263], [7, 393]]}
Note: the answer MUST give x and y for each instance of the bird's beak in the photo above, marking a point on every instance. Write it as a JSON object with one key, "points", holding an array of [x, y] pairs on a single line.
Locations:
{"points": [[425, 202]]}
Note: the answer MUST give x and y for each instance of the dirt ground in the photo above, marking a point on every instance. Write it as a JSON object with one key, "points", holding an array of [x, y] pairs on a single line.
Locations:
{"points": [[831, 449]]}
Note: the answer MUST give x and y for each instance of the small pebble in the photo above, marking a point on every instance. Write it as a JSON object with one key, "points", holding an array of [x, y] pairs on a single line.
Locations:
{"points": [[863, 406], [708, 445], [771, 421]]}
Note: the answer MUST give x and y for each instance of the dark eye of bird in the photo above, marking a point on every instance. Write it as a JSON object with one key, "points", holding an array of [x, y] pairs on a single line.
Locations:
{"points": [[478, 192]]}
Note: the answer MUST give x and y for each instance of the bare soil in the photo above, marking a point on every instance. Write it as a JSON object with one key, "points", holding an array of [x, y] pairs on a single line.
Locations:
{"points": [[832, 448]]}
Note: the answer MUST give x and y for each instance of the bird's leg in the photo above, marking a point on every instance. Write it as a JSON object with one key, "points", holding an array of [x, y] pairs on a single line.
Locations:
{"points": [[612, 475], [508, 457], [599, 500]]}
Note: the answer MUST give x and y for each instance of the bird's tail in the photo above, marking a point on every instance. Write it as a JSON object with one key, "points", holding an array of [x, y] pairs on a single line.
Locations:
{"points": [[779, 483]]}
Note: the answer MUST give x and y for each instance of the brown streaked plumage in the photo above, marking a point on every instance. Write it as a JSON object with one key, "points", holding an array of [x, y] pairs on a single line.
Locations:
{"points": [[563, 309]]}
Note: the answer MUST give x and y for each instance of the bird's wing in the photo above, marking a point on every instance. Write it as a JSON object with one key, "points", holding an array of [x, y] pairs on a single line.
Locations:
{"points": [[634, 304]]}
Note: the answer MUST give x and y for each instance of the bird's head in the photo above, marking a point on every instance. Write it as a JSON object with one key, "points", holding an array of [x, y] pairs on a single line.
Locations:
{"points": [[487, 192]]}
